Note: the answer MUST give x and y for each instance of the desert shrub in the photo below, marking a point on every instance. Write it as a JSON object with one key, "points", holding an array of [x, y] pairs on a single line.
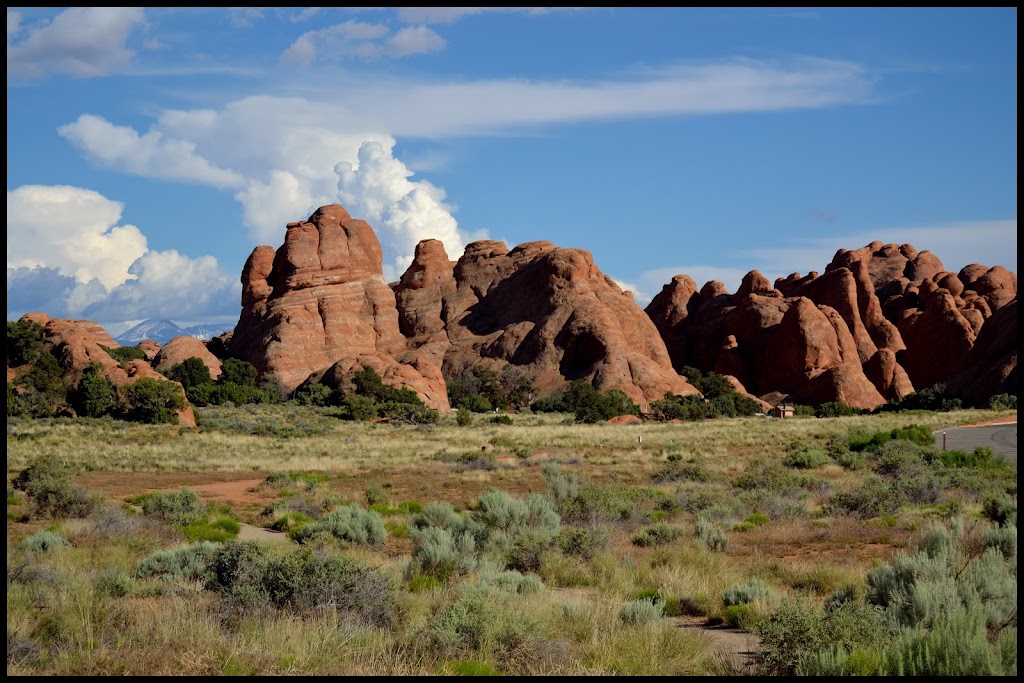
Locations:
{"points": [[1001, 510], [309, 580], [43, 541], [523, 552], [239, 372], [178, 508], [125, 354], [462, 627], [796, 632], [584, 542], [188, 563], [593, 503], [509, 582], [501, 420], [24, 342], [806, 457], [463, 417], [861, 440], [114, 583], [191, 372], [852, 460], [754, 590], [250, 579], [549, 404], [152, 401], [591, 405], [361, 407], [441, 552], [656, 534], [770, 477], [95, 395], [290, 522], [217, 530], [803, 411], [709, 536], [313, 394], [1003, 402], [873, 498], [982, 458], [376, 495], [738, 616], [752, 521], [52, 493], [948, 574], [499, 511], [835, 409], [349, 523], [640, 612], [677, 471]]}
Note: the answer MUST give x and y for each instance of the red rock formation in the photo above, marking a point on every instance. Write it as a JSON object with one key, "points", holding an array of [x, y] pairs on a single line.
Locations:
{"points": [[183, 347], [992, 365], [77, 344], [150, 348], [319, 308], [551, 312], [321, 299]]}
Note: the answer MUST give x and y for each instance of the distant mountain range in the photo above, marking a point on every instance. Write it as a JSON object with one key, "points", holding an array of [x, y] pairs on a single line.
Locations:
{"points": [[162, 331]]}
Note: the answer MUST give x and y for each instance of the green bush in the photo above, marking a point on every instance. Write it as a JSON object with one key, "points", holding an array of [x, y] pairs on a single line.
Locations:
{"points": [[95, 395], [314, 394], [466, 667], [1003, 402], [591, 405], [290, 522], [125, 354], [656, 534], [152, 401], [738, 616], [1001, 510], [709, 536], [349, 523], [873, 498], [806, 457], [43, 541], [640, 612], [178, 508], [191, 372], [463, 417], [501, 420], [754, 590], [52, 493], [218, 530], [24, 342], [376, 495], [797, 632], [981, 458], [677, 471], [238, 372], [584, 542], [440, 552], [835, 409], [189, 563]]}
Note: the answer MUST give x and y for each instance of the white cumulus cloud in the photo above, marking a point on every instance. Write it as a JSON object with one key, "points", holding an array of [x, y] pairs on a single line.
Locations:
{"points": [[69, 256], [80, 41], [153, 154], [402, 211]]}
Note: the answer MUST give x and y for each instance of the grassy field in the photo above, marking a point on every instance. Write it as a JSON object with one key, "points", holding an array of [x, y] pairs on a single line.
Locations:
{"points": [[564, 548]]}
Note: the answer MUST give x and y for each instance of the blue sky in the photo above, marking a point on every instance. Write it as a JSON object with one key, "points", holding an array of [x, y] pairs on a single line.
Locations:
{"points": [[149, 150]]}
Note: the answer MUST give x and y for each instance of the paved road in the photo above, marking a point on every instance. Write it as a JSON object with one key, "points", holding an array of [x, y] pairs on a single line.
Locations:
{"points": [[1002, 439]]}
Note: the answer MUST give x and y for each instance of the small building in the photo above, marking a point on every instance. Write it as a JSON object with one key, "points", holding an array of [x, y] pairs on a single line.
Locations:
{"points": [[783, 410]]}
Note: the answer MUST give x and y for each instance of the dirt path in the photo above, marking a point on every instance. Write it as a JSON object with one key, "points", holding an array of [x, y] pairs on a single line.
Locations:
{"points": [[736, 649]]}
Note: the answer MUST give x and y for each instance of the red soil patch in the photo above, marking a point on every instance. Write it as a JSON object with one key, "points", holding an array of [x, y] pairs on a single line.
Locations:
{"points": [[995, 422]]}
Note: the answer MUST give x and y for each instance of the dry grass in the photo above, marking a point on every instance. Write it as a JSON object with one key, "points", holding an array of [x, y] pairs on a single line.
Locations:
{"points": [[64, 621]]}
